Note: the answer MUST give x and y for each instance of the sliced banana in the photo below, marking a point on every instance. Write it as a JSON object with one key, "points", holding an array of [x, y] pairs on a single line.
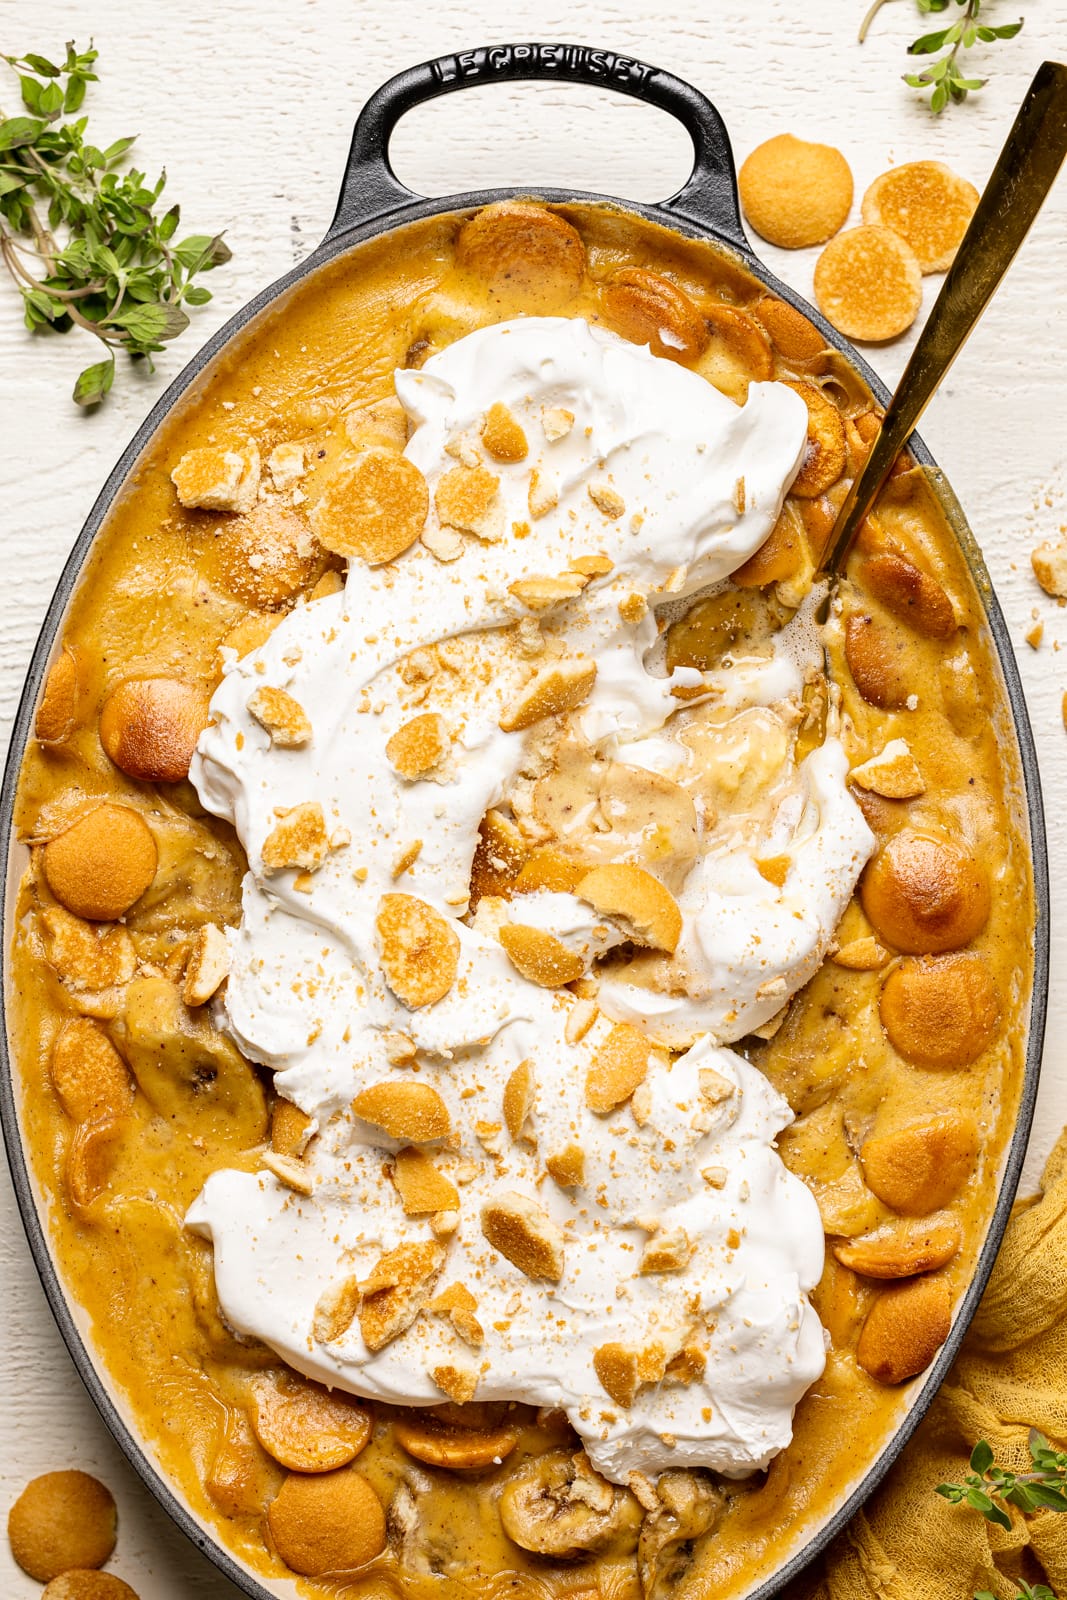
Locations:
{"points": [[556, 1505], [689, 1505], [189, 1072]]}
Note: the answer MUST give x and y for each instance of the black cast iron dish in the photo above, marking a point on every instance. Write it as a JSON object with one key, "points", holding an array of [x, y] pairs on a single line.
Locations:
{"points": [[372, 202]]}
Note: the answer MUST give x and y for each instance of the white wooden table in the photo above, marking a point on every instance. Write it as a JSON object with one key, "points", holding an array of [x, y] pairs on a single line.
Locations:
{"points": [[250, 104]]}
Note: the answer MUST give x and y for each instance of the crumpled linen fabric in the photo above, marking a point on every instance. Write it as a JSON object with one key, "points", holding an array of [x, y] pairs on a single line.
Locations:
{"points": [[908, 1543]]}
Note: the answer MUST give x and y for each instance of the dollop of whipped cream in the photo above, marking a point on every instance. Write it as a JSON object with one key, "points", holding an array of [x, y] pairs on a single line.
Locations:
{"points": [[700, 1358]]}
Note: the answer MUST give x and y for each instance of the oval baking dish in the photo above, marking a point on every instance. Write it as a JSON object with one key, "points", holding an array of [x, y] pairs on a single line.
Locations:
{"points": [[372, 205]]}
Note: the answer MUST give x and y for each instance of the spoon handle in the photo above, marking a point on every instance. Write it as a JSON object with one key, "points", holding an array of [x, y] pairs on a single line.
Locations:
{"points": [[1025, 172]]}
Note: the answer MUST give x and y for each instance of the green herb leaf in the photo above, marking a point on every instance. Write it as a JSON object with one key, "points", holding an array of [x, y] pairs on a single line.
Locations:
{"points": [[50, 100], [150, 324], [46, 309], [981, 1457], [43, 68], [202, 251], [94, 383], [74, 94], [196, 296], [929, 44], [116, 151], [19, 131]]}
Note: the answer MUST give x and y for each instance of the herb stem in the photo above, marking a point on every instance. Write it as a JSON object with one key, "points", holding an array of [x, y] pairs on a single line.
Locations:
{"points": [[869, 18]]}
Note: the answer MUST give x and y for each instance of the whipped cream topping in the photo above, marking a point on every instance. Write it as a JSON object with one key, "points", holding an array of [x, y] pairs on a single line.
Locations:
{"points": [[690, 775]]}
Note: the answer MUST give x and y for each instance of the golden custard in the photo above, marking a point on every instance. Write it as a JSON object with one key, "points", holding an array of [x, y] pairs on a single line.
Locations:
{"points": [[902, 1058]]}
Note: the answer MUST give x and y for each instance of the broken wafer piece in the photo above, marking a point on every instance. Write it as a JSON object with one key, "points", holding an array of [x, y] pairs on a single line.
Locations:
{"points": [[551, 692], [519, 1098], [928, 205], [606, 498], [668, 1251], [540, 957], [524, 1232], [208, 965], [458, 1305], [1049, 561], [566, 1166], [419, 950], [714, 1088], [542, 496], [466, 499], [396, 1289], [502, 434], [299, 839], [404, 1110], [445, 544], [595, 565], [290, 1129], [335, 1310], [892, 773], [646, 911], [282, 716], [419, 745], [539, 593], [861, 955], [214, 478], [868, 284], [459, 1383], [289, 1170], [421, 1187], [619, 1066], [616, 1367], [286, 465], [556, 423]]}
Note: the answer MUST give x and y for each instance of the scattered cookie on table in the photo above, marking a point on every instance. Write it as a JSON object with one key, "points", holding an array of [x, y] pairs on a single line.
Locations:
{"points": [[83, 1583], [795, 193], [62, 1521], [928, 205], [1049, 561], [868, 284]]}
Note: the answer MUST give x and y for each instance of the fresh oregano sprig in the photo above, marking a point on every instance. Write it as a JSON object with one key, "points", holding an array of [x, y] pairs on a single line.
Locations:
{"points": [[83, 243], [945, 78], [990, 1489]]}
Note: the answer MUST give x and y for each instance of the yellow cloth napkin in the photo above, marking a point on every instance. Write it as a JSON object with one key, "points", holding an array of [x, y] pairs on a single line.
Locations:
{"points": [[908, 1543]]}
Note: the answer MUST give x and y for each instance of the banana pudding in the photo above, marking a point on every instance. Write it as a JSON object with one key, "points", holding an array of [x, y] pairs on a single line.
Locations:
{"points": [[519, 1025]]}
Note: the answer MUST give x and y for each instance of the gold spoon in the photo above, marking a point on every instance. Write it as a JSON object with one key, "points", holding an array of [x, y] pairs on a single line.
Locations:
{"points": [[1025, 172]]}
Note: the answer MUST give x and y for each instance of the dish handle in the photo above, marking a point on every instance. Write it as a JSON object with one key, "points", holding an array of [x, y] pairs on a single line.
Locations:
{"points": [[371, 189]]}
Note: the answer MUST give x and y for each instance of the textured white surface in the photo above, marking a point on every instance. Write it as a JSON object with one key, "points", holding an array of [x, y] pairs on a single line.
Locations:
{"points": [[250, 103]]}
